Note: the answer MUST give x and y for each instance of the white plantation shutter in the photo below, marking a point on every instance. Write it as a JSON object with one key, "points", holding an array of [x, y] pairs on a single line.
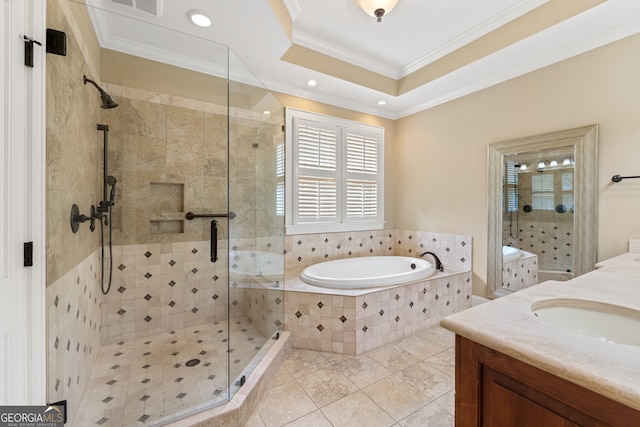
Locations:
{"points": [[361, 174], [542, 192], [317, 147], [317, 198], [362, 199], [336, 174], [362, 153], [280, 187]]}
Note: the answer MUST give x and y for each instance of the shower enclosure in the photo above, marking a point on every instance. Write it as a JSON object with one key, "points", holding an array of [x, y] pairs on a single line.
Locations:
{"points": [[196, 293]]}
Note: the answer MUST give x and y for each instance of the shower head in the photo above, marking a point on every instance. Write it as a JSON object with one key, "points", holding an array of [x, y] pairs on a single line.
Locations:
{"points": [[107, 102]]}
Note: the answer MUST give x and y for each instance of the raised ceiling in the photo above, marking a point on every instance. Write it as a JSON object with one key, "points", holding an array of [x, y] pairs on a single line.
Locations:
{"points": [[423, 53]]}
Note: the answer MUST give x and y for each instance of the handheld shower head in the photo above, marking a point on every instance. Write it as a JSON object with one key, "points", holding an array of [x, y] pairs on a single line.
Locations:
{"points": [[107, 102], [111, 180]]}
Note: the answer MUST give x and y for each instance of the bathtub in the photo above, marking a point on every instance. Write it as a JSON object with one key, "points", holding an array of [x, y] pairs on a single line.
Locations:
{"points": [[250, 263], [367, 272], [510, 253]]}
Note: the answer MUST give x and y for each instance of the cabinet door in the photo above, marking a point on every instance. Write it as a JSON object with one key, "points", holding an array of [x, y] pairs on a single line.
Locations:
{"points": [[505, 404]]}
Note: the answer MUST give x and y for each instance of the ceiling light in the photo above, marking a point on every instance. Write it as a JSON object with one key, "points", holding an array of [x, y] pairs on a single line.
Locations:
{"points": [[312, 83], [566, 162], [266, 112], [377, 8], [553, 163], [199, 18], [541, 165], [382, 102]]}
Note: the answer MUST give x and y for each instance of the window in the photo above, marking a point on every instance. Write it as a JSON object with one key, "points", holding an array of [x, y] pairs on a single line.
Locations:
{"points": [[335, 174], [542, 192], [280, 165], [511, 187]]}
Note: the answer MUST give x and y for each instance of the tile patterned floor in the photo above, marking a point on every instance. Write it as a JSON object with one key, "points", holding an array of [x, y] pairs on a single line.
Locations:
{"points": [[406, 383], [141, 381]]}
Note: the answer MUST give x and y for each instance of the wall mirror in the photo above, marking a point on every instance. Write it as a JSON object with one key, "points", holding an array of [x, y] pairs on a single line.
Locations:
{"points": [[542, 208]]}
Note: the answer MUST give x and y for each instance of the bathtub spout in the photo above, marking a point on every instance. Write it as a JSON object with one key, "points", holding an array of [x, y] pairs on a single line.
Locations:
{"points": [[439, 265]]}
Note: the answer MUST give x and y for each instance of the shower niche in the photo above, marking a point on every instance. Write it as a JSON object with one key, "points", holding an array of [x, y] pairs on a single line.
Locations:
{"points": [[166, 208]]}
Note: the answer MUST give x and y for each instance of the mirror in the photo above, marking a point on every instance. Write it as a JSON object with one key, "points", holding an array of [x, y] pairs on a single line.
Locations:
{"points": [[542, 208]]}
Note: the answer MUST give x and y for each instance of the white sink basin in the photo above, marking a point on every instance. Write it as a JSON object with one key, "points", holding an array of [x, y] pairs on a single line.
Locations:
{"points": [[604, 322]]}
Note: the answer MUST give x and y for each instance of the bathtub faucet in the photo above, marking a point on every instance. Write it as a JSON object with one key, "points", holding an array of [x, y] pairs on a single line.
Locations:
{"points": [[439, 265]]}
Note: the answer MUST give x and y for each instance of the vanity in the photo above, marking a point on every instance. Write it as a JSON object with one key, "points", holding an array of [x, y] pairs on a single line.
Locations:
{"points": [[523, 359]]}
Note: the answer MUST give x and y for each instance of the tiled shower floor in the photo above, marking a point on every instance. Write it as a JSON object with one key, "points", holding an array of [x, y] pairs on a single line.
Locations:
{"points": [[141, 381]]}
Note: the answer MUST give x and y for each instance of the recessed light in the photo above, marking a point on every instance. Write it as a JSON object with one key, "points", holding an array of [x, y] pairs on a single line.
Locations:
{"points": [[382, 102], [266, 112], [312, 83], [199, 18]]}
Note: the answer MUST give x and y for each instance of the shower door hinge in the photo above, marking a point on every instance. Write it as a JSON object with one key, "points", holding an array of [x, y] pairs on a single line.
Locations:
{"points": [[28, 254], [28, 50]]}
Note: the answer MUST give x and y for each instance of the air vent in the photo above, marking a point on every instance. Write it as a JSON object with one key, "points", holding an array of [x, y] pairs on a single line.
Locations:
{"points": [[153, 7]]}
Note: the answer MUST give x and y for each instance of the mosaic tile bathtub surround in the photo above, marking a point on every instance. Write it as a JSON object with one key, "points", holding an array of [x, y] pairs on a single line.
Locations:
{"points": [[352, 322], [356, 324], [520, 273], [308, 249]]}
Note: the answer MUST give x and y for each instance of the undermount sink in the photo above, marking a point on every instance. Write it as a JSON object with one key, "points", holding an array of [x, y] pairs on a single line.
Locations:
{"points": [[604, 322]]}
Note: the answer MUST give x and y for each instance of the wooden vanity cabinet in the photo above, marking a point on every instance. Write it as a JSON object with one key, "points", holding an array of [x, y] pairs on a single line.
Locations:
{"points": [[496, 390]]}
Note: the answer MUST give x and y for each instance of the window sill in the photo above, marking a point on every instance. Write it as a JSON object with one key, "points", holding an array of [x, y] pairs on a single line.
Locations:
{"points": [[333, 228]]}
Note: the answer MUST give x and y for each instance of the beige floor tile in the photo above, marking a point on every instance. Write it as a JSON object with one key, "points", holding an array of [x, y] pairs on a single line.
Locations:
{"points": [[284, 403], [314, 419], [396, 397], [362, 371], [326, 385], [428, 379], [440, 336], [281, 377], [355, 410], [301, 362], [420, 347], [445, 361], [393, 357], [438, 413], [254, 420]]}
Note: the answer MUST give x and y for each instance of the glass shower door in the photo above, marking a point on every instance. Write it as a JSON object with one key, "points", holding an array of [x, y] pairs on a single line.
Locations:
{"points": [[256, 241]]}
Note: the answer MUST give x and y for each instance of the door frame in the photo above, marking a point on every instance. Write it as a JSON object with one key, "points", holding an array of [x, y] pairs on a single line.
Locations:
{"points": [[26, 113]]}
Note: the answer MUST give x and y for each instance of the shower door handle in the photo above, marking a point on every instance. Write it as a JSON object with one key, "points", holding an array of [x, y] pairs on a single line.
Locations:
{"points": [[214, 240]]}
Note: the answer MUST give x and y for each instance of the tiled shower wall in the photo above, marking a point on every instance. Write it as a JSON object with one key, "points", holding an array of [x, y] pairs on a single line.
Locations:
{"points": [[165, 286], [72, 176], [546, 233], [73, 328], [551, 241]]}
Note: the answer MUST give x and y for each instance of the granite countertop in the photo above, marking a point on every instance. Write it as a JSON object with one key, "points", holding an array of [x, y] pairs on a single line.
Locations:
{"points": [[509, 326]]}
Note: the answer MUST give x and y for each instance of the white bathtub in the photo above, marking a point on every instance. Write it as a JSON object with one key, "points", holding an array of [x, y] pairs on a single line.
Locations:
{"points": [[257, 263], [510, 253], [367, 272]]}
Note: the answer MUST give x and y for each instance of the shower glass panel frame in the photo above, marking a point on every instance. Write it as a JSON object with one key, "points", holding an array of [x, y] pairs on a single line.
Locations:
{"points": [[203, 139]]}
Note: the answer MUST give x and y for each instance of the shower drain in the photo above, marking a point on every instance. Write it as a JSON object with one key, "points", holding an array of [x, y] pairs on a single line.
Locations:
{"points": [[192, 362]]}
